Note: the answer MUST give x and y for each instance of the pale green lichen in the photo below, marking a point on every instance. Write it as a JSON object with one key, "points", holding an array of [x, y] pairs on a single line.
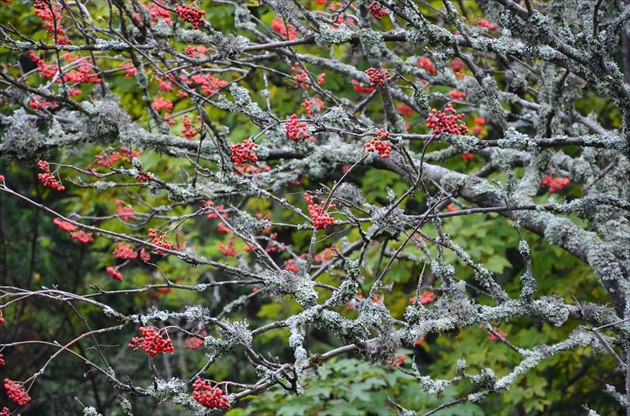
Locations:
{"points": [[463, 144], [372, 42], [90, 411], [22, 140], [327, 36]]}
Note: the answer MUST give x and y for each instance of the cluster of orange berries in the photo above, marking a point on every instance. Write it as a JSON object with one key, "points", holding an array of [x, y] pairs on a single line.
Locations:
{"points": [[209, 396], [446, 121], [151, 342], [80, 235], [191, 14], [297, 129], [125, 211], [227, 250], [377, 11], [554, 183], [427, 64], [47, 179], [114, 273], [301, 76], [286, 30], [124, 251], [384, 149], [159, 241], [243, 152], [16, 392], [321, 218], [377, 76]]}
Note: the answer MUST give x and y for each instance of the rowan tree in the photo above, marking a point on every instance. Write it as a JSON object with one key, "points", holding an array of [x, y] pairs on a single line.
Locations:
{"points": [[305, 207]]}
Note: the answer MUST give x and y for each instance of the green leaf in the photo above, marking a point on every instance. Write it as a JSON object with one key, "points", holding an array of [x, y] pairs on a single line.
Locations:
{"points": [[497, 264]]}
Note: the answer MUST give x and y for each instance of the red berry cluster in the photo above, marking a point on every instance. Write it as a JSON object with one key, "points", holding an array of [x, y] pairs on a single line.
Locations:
{"points": [[360, 89], [45, 11], [291, 266], [188, 131], [384, 149], [162, 104], [227, 250], [45, 70], [144, 256], [281, 28], [457, 95], [243, 152], [130, 70], [297, 129], [405, 110], [301, 76], [159, 241], [446, 121], [492, 337], [2, 360], [125, 211], [124, 251], [151, 342], [398, 360], [377, 11], [114, 273], [16, 392], [85, 74], [223, 229], [191, 14], [38, 103], [209, 396], [129, 153], [427, 297], [165, 85], [478, 128], [307, 105], [157, 11], [52, 13], [427, 64], [457, 66], [485, 23], [377, 76], [321, 218], [554, 183], [82, 236], [196, 51], [47, 179], [65, 225], [210, 203], [108, 160], [144, 178], [208, 83]]}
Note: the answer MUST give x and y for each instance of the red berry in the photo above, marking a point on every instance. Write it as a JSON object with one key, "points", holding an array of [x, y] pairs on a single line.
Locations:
{"points": [[191, 14], [212, 397], [151, 342], [16, 392], [377, 11], [377, 76]]}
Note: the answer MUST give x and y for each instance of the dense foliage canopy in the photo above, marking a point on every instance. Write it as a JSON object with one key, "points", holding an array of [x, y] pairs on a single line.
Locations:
{"points": [[314, 207]]}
